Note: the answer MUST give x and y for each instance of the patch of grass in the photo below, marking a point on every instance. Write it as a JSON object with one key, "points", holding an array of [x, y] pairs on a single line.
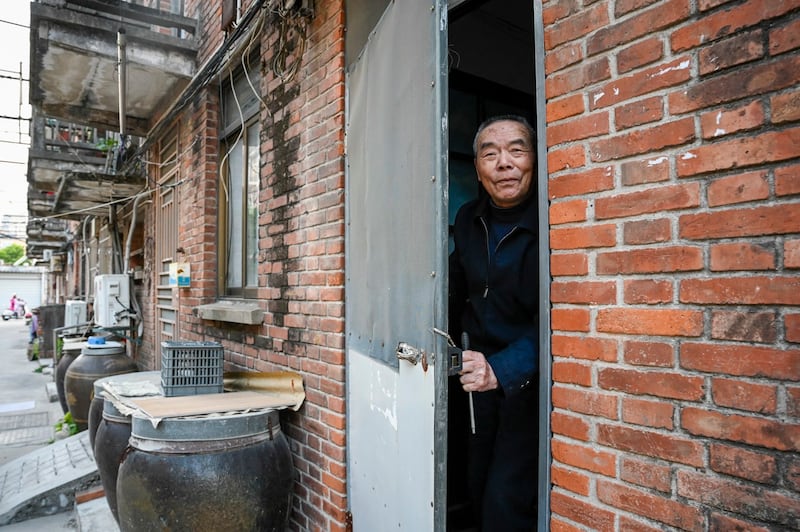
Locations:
{"points": [[66, 422]]}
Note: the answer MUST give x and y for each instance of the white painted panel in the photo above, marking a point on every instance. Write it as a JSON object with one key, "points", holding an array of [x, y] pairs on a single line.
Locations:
{"points": [[391, 446]]}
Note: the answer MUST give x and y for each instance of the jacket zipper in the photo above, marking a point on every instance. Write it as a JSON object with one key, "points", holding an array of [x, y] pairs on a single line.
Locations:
{"points": [[489, 254]]}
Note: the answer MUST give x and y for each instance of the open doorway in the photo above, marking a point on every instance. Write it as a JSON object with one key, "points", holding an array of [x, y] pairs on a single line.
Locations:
{"points": [[491, 72]]}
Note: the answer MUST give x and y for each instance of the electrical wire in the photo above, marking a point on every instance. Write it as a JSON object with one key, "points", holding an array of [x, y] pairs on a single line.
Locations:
{"points": [[15, 24], [293, 21], [246, 56]]}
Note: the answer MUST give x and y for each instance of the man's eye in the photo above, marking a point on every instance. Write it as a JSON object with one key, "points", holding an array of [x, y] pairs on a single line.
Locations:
{"points": [[490, 155], [518, 152]]}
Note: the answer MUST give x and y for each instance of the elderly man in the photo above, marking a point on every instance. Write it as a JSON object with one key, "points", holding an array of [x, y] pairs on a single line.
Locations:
{"points": [[494, 299]]}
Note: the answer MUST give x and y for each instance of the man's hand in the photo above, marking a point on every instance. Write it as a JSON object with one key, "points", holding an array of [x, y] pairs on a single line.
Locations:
{"points": [[476, 373]]}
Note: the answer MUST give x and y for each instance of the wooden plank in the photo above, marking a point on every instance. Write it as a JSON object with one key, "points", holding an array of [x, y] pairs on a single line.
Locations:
{"points": [[209, 403]]}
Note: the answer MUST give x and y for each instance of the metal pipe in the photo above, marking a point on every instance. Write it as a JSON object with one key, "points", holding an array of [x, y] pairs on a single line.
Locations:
{"points": [[129, 240], [123, 78], [87, 259]]}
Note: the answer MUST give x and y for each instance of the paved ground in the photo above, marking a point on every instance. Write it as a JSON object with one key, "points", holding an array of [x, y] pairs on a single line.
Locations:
{"points": [[32, 467], [27, 415]]}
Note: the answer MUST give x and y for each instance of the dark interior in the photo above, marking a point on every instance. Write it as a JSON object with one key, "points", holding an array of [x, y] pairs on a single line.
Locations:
{"points": [[490, 45]]}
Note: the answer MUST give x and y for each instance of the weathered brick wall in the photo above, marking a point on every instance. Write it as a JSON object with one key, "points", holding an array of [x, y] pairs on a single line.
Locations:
{"points": [[147, 351], [301, 238], [302, 253], [673, 146]]}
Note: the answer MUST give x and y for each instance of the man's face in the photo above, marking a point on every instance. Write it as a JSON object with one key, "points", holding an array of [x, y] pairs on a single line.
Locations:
{"points": [[505, 162]]}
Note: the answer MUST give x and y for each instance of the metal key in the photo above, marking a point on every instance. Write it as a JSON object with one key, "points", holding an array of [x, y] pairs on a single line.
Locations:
{"points": [[465, 347]]}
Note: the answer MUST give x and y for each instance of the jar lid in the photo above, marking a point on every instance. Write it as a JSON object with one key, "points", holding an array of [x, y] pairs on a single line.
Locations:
{"points": [[102, 348], [70, 346]]}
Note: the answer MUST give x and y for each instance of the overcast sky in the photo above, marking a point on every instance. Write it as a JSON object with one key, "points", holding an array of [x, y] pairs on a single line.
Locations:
{"points": [[14, 46]]}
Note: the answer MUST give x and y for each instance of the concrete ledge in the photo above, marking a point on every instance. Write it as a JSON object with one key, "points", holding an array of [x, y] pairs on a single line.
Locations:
{"points": [[52, 391], [230, 311]]}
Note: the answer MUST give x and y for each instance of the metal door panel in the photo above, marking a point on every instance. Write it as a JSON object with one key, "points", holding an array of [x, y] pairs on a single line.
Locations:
{"points": [[396, 268]]}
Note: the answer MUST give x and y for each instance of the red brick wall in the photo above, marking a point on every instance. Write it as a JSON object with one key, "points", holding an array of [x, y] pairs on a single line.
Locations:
{"points": [[301, 235], [673, 154]]}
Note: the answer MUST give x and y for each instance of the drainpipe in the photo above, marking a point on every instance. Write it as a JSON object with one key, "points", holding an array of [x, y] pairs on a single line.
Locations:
{"points": [[123, 93], [87, 260], [129, 240]]}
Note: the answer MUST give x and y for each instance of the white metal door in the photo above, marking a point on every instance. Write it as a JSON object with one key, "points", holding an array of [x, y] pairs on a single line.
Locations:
{"points": [[396, 270]]}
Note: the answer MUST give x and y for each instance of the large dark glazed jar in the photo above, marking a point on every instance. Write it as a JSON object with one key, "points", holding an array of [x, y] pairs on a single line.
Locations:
{"points": [[222, 473], [135, 384], [96, 409], [110, 444], [114, 428], [98, 359], [70, 350]]}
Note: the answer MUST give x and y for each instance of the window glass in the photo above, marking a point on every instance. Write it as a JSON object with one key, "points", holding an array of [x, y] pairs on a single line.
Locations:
{"points": [[239, 191], [235, 243], [252, 205]]}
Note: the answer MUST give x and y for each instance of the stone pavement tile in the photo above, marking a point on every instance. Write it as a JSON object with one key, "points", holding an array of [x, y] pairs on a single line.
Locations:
{"points": [[21, 421], [95, 516], [45, 480]]}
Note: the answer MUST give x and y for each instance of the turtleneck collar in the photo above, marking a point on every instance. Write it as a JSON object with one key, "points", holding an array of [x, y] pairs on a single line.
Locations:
{"points": [[509, 214]]}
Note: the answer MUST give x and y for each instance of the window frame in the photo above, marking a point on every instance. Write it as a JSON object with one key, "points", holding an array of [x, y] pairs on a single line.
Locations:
{"points": [[240, 140]]}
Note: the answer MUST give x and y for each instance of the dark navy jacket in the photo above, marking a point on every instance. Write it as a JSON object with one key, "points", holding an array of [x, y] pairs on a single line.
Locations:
{"points": [[498, 298]]}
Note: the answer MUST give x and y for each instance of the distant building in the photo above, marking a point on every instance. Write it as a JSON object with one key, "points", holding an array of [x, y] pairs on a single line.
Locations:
{"points": [[13, 229]]}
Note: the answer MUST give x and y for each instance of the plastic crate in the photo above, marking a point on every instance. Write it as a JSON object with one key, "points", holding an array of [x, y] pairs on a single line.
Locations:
{"points": [[191, 368]]}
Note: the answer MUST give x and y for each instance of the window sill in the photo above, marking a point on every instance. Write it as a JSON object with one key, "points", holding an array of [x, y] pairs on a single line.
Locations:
{"points": [[230, 311]]}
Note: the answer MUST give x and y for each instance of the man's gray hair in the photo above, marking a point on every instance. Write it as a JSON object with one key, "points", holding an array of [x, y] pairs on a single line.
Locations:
{"points": [[521, 120]]}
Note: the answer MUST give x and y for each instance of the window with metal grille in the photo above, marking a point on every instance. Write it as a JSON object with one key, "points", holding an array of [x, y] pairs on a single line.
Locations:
{"points": [[166, 237], [239, 185]]}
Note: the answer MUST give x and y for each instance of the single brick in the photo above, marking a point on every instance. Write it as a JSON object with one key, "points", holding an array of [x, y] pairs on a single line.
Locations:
{"points": [[653, 322], [720, 123], [650, 170], [640, 54], [568, 211], [739, 188], [787, 180], [651, 200], [647, 291], [743, 256], [648, 353], [743, 463], [739, 49], [733, 393], [638, 113], [647, 231], [785, 107]]}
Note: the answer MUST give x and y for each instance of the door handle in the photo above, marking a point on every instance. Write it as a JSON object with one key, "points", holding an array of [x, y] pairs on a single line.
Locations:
{"points": [[414, 355]]}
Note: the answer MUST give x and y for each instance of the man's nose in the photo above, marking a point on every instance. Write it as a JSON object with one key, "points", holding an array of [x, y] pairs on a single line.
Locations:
{"points": [[504, 158]]}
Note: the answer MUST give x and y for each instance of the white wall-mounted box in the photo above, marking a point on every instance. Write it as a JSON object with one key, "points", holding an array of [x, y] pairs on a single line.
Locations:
{"points": [[112, 300], [74, 313]]}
